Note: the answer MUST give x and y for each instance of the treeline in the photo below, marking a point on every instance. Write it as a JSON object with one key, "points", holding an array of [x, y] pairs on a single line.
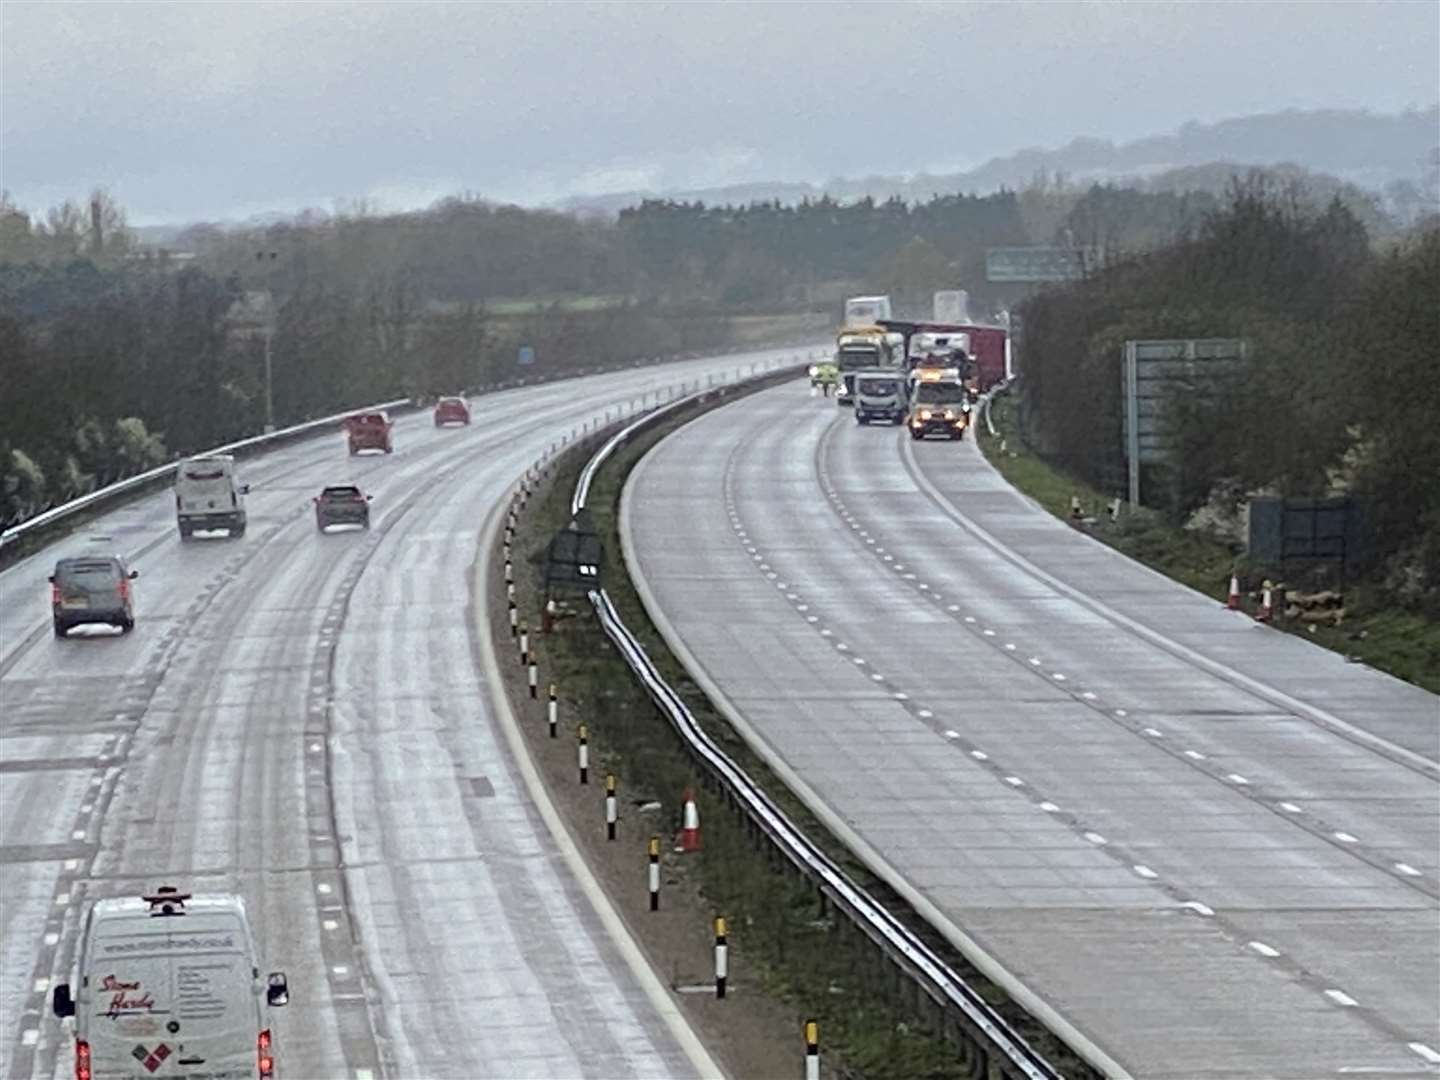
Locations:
{"points": [[1339, 395], [114, 355], [113, 361]]}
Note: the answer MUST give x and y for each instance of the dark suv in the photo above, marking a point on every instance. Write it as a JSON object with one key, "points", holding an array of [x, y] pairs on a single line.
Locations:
{"points": [[92, 589], [342, 505]]}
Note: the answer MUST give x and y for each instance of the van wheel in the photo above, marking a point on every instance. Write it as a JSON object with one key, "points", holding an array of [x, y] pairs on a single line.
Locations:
{"points": [[917, 436], [184, 533], [59, 629], [238, 531], [126, 625]]}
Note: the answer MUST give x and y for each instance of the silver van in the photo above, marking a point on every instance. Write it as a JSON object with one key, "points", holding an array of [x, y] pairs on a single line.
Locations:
{"points": [[169, 986], [209, 496]]}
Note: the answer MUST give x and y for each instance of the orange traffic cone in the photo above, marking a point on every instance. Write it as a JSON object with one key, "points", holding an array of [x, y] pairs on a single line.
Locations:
{"points": [[690, 833], [1267, 603], [1233, 600]]}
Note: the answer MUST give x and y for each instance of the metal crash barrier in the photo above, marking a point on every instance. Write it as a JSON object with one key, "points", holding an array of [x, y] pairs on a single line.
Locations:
{"points": [[1005, 1053]]}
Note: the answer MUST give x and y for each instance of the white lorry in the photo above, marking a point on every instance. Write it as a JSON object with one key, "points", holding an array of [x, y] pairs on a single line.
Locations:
{"points": [[952, 306], [209, 495], [169, 986], [866, 310]]}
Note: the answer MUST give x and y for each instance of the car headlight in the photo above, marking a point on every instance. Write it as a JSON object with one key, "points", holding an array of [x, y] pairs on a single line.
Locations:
{"points": [[949, 414], [924, 414], [814, 370]]}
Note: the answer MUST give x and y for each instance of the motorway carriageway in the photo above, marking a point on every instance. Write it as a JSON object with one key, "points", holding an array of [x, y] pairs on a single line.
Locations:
{"points": [[1195, 846], [305, 719]]}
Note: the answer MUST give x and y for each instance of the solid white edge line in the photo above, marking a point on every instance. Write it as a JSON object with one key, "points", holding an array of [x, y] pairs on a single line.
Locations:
{"points": [[1155, 637], [664, 1004], [971, 949]]}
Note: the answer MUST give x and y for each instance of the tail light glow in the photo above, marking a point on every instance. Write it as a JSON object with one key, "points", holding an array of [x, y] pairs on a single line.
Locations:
{"points": [[266, 1060], [55, 595], [123, 589], [82, 1060]]}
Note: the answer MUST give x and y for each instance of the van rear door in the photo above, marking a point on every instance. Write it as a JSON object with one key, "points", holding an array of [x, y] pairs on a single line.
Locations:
{"points": [[205, 487], [172, 997]]}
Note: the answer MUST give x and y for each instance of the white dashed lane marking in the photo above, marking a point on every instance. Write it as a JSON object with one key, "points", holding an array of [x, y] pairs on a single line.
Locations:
{"points": [[1264, 950], [1425, 1052], [1341, 998]]}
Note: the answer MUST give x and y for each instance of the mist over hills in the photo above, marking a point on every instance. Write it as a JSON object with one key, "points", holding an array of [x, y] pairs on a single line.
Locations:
{"points": [[1366, 149], [1357, 154]]}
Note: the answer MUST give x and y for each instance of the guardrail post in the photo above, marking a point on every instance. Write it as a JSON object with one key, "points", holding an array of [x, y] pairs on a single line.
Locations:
{"points": [[524, 645], [653, 873], [611, 810], [514, 617], [534, 686]]}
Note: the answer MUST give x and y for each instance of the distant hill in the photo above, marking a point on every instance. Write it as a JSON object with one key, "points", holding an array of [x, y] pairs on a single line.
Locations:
{"points": [[1354, 146]]}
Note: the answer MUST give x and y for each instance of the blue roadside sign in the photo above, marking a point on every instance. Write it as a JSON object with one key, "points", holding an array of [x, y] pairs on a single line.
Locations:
{"points": [[527, 354]]}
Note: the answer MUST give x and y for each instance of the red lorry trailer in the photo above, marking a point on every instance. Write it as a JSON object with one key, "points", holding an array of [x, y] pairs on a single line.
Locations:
{"points": [[987, 345]]}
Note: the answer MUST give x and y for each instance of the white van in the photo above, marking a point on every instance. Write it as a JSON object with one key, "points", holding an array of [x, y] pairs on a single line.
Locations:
{"points": [[169, 986], [208, 495]]}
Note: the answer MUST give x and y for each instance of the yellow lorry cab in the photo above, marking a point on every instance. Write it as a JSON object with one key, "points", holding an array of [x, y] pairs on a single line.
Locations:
{"points": [[856, 349]]}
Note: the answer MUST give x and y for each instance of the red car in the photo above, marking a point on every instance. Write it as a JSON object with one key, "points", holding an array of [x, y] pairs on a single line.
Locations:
{"points": [[451, 410], [369, 431]]}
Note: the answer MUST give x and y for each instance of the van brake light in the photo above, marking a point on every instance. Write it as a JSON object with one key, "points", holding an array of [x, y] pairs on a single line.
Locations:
{"points": [[82, 1060], [123, 589], [262, 1049], [55, 595]]}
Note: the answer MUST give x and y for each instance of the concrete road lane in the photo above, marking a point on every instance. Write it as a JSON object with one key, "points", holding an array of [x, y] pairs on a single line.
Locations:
{"points": [[302, 718], [1208, 861]]}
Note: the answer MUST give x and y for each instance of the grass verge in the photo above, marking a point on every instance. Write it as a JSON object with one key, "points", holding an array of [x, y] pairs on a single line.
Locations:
{"points": [[1400, 643], [786, 943]]}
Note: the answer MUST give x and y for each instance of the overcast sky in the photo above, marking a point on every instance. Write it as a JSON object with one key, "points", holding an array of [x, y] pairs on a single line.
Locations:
{"points": [[201, 111]]}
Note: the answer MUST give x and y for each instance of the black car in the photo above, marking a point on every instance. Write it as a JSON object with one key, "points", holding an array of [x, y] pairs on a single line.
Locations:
{"points": [[342, 505], [92, 589]]}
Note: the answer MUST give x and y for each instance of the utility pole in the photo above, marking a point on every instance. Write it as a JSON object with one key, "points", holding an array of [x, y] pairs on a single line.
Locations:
{"points": [[269, 395], [261, 257]]}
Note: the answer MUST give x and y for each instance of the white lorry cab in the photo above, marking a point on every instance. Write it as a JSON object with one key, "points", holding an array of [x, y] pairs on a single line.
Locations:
{"points": [[169, 986], [209, 495]]}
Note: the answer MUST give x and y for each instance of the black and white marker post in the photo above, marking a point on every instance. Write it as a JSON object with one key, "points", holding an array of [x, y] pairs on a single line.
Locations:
{"points": [[722, 957], [553, 708], [812, 1050], [654, 873], [582, 752], [611, 813]]}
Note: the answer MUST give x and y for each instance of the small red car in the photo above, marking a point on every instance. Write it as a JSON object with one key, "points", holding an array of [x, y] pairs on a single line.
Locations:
{"points": [[369, 431], [451, 410]]}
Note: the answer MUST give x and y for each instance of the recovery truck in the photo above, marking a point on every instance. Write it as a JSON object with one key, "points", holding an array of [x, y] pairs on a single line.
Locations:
{"points": [[939, 403]]}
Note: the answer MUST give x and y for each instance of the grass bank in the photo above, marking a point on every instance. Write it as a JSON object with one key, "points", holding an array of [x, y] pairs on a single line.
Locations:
{"points": [[1399, 642]]}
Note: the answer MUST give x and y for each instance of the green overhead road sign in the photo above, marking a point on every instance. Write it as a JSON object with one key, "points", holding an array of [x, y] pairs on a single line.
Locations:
{"points": [[1035, 263]]}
